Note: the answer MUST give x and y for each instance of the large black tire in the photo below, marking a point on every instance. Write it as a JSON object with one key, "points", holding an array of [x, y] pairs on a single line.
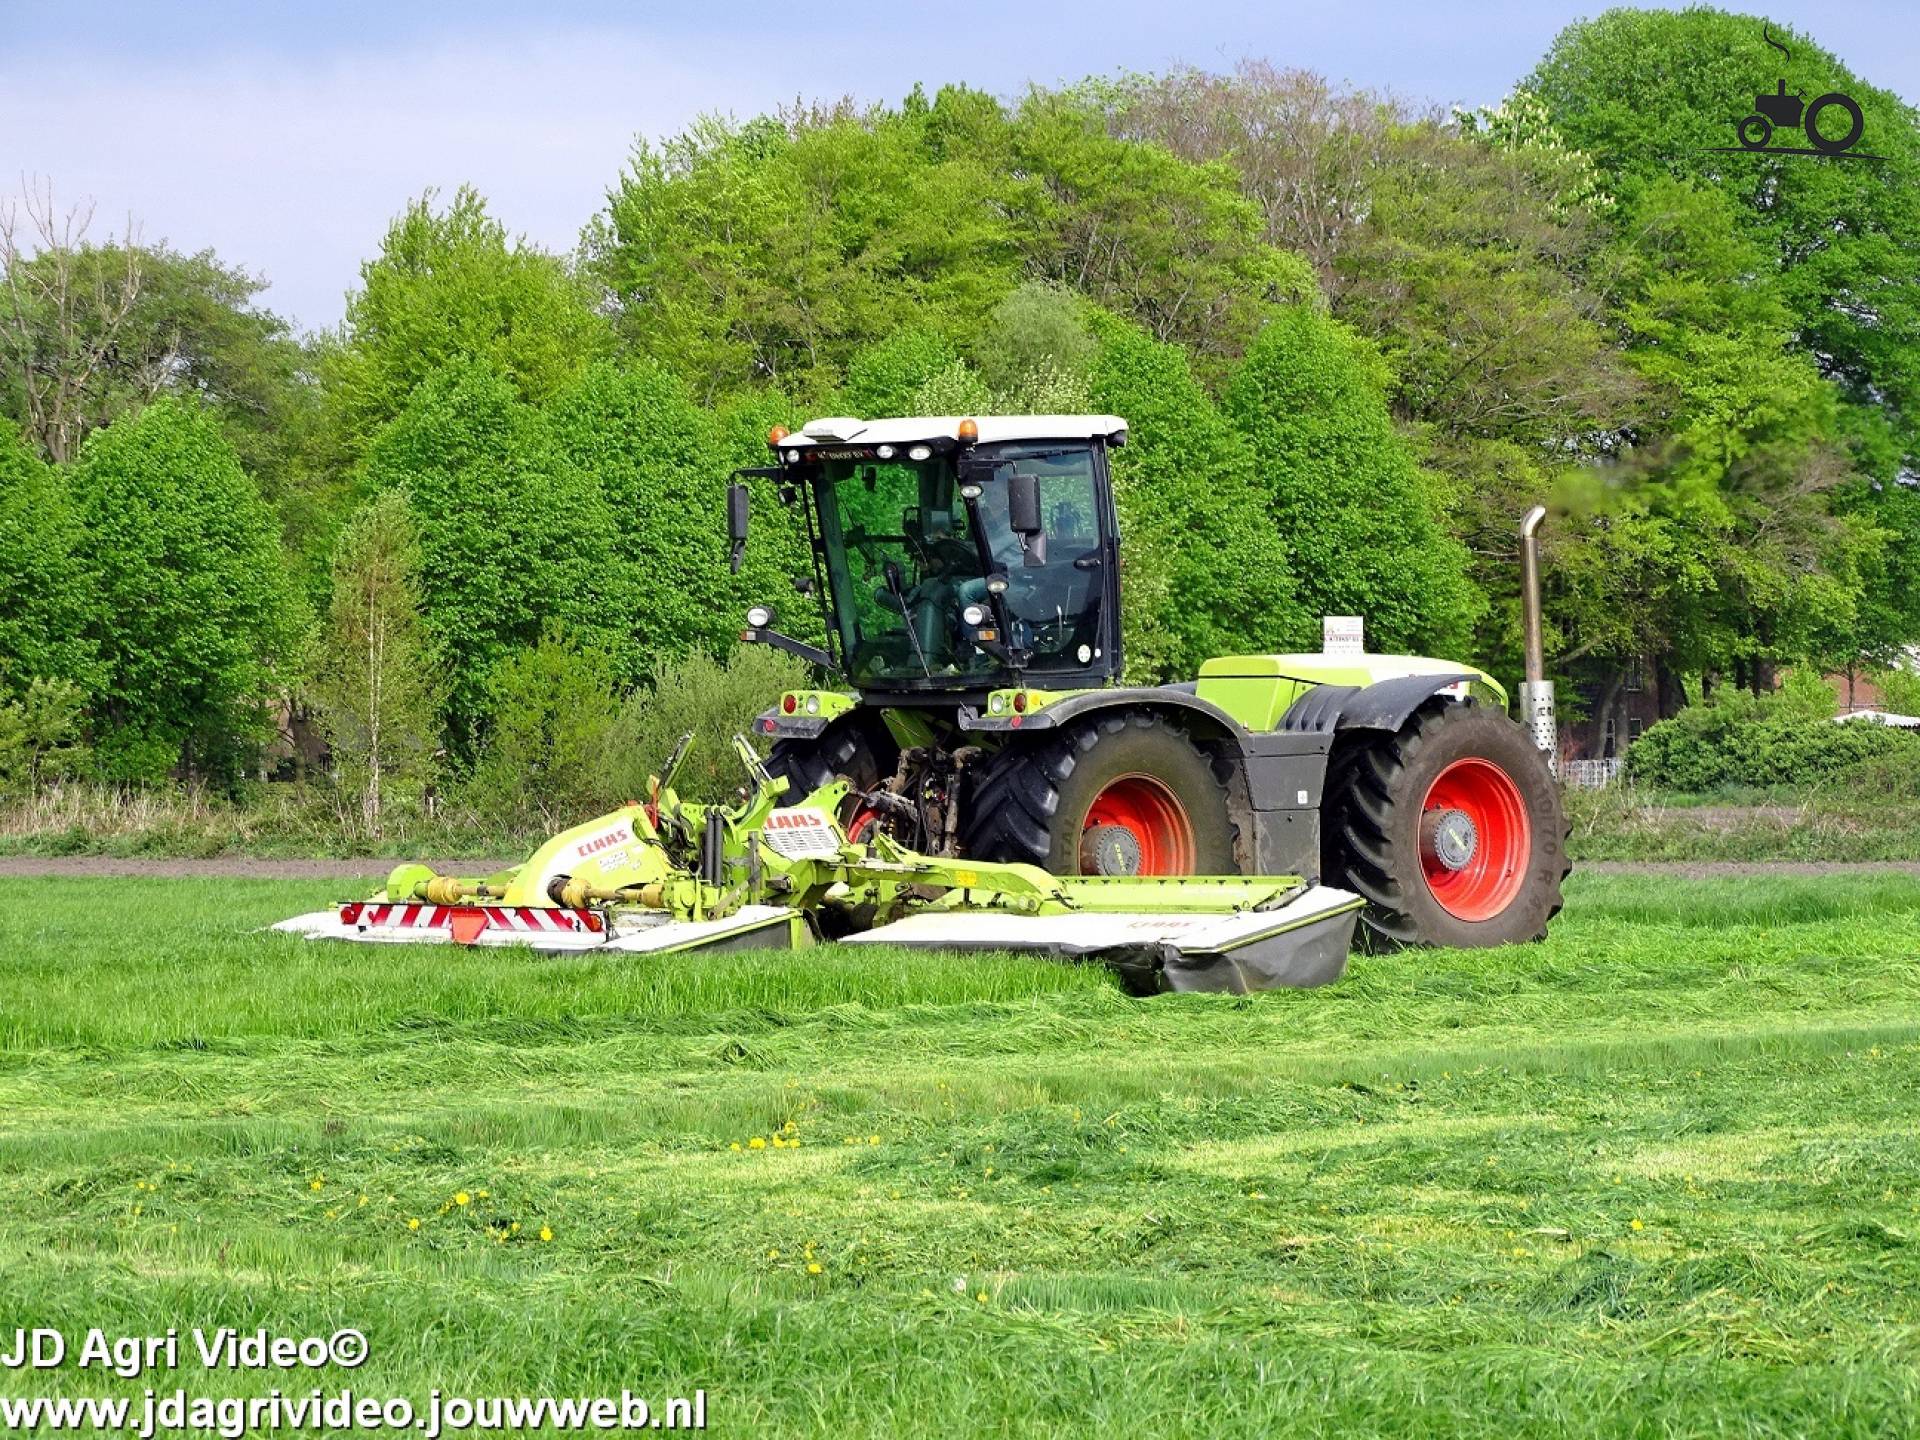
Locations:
{"points": [[1426, 879], [1031, 802], [853, 748]]}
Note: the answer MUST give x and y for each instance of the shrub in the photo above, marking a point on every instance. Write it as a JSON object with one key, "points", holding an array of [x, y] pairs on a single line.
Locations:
{"points": [[40, 735], [715, 700], [1738, 739], [545, 759]]}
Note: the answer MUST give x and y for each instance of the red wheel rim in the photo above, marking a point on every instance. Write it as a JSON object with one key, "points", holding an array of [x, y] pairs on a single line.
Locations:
{"points": [[860, 827], [1148, 811], [1502, 839]]}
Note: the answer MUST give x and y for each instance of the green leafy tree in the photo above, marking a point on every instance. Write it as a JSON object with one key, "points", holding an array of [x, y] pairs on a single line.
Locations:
{"points": [[376, 684], [450, 285], [1362, 521], [886, 378], [770, 252], [512, 535], [1204, 571], [1843, 237], [48, 607], [662, 466], [1716, 547], [1170, 244], [197, 630]]}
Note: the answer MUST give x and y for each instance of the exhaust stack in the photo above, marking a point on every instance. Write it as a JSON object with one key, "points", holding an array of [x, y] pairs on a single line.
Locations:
{"points": [[1536, 693]]}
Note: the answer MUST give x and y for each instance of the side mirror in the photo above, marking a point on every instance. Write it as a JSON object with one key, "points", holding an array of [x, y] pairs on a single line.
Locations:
{"points": [[1023, 515], [737, 523]]}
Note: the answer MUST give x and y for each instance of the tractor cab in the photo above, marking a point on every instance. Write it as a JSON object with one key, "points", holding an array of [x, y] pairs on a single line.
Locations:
{"points": [[956, 556]]}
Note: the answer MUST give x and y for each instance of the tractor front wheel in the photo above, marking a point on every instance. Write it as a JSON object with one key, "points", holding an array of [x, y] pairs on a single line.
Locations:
{"points": [[1122, 794], [1451, 828], [851, 748]]}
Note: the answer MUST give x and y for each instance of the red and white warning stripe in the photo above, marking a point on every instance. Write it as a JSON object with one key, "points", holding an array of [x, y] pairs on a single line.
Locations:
{"points": [[522, 918]]}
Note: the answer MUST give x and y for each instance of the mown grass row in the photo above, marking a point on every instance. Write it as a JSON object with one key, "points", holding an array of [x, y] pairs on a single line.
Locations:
{"points": [[1656, 1176]]}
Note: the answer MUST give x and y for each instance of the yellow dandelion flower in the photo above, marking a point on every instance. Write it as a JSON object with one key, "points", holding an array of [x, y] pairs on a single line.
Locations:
{"points": [[981, 1297], [875, 1140], [461, 1197], [1257, 1194], [756, 1143], [363, 1200], [514, 1229], [137, 1209], [734, 1146], [813, 1267], [989, 1170], [413, 1223], [794, 1143], [546, 1232], [790, 1127], [778, 1143], [481, 1193], [316, 1184], [773, 1254], [1637, 1225]]}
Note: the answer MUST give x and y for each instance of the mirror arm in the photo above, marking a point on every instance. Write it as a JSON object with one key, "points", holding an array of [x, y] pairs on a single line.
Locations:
{"points": [[812, 654]]}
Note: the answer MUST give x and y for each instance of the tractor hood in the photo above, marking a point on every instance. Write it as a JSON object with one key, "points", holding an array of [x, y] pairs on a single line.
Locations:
{"points": [[1257, 689]]}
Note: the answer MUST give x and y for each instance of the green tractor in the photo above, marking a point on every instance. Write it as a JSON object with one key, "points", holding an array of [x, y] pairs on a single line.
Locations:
{"points": [[968, 575]]}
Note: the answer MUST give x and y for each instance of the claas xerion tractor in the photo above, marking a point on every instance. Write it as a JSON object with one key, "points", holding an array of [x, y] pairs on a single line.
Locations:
{"points": [[985, 780], [968, 575]]}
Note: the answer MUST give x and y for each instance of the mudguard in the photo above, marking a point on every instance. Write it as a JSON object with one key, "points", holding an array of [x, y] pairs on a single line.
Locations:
{"points": [[1384, 705]]}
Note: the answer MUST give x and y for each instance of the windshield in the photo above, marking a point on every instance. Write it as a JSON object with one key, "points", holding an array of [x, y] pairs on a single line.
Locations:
{"points": [[899, 550], [905, 567]]}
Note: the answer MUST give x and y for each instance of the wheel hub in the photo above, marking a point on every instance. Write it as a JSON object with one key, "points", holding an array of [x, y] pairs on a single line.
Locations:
{"points": [[1476, 839], [1448, 838], [1109, 850]]}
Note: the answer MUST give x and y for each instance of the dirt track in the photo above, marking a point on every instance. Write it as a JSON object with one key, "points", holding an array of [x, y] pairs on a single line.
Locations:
{"points": [[227, 867]]}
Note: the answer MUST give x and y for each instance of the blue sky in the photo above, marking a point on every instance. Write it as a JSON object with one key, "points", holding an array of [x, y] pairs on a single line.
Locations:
{"points": [[286, 135]]}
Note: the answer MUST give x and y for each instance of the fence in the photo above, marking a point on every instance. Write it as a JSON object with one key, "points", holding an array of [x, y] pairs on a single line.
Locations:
{"points": [[1591, 774]]}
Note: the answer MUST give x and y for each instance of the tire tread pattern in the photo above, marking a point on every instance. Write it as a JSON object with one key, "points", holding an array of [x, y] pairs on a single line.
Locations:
{"points": [[1367, 797]]}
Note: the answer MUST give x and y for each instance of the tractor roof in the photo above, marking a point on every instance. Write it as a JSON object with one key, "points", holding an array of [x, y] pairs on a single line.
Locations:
{"points": [[845, 430]]}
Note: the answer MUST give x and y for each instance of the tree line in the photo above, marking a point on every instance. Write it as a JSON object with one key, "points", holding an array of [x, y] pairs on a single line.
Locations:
{"points": [[1354, 340]]}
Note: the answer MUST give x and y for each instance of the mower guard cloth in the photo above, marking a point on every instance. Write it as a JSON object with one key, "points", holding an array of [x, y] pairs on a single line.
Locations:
{"points": [[1300, 945]]}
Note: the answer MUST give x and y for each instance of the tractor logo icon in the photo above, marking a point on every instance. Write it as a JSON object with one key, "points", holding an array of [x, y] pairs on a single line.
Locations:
{"points": [[1784, 110]]}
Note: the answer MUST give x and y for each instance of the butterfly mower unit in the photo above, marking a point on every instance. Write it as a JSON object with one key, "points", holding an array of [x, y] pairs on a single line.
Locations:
{"points": [[671, 878], [976, 773]]}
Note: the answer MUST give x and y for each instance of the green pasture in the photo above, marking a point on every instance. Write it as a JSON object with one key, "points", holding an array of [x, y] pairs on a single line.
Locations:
{"points": [[1660, 1175]]}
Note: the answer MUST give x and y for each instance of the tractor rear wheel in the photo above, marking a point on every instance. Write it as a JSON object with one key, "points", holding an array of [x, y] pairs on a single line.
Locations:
{"points": [[1121, 794], [1451, 828]]}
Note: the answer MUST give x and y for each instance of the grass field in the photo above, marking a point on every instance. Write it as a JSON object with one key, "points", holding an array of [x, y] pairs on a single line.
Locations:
{"points": [[1659, 1176]]}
